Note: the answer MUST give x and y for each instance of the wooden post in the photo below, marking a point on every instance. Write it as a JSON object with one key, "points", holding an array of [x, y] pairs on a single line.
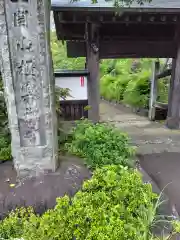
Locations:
{"points": [[92, 60], [171, 89], [173, 119], [153, 93]]}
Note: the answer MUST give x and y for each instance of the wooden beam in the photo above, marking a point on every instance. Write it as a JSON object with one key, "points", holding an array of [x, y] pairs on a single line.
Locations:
{"points": [[121, 32], [111, 17], [165, 73], [153, 92], [137, 49], [92, 61], [126, 49], [173, 119]]}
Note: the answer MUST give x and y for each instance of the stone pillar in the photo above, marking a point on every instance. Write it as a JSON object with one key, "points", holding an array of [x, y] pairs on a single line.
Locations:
{"points": [[27, 72]]}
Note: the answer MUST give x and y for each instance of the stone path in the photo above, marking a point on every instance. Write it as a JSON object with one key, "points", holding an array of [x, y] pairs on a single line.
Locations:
{"points": [[158, 148], [149, 137]]}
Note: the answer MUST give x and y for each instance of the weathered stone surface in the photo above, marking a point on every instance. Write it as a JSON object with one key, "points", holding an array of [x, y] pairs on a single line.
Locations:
{"points": [[26, 66]]}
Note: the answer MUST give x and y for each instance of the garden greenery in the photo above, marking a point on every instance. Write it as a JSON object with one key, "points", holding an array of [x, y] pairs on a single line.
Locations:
{"points": [[100, 144], [114, 204], [5, 137], [128, 81], [120, 3]]}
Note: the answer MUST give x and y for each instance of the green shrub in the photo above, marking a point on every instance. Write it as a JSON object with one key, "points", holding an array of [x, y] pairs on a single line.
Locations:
{"points": [[123, 67], [120, 86], [107, 66], [138, 90], [129, 82], [100, 144], [5, 153], [13, 226], [107, 86], [114, 204], [163, 90], [5, 137]]}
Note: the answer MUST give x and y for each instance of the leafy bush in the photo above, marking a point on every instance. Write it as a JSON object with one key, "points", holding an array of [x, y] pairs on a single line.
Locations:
{"points": [[5, 153], [5, 137], [138, 90], [163, 89], [14, 225], [114, 204], [107, 66], [120, 86], [129, 81], [123, 67], [100, 144], [107, 83]]}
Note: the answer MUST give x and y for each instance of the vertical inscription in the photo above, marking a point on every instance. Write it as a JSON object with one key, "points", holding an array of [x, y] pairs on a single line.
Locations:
{"points": [[27, 81], [24, 44], [21, 18], [42, 46], [25, 68]]}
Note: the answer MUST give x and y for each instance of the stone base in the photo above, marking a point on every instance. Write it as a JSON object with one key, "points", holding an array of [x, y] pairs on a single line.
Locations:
{"points": [[35, 161]]}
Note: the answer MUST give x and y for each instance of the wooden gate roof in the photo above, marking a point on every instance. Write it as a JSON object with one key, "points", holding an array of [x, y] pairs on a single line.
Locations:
{"points": [[102, 5], [137, 31]]}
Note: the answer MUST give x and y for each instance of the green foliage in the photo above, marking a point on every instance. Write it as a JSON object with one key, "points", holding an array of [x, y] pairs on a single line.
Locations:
{"points": [[138, 90], [128, 81], [5, 153], [13, 226], [107, 66], [163, 90], [120, 86], [108, 87], [100, 144], [123, 66], [5, 137], [114, 204], [121, 3]]}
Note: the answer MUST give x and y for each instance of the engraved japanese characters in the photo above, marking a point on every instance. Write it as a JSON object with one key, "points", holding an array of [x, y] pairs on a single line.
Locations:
{"points": [[27, 76]]}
